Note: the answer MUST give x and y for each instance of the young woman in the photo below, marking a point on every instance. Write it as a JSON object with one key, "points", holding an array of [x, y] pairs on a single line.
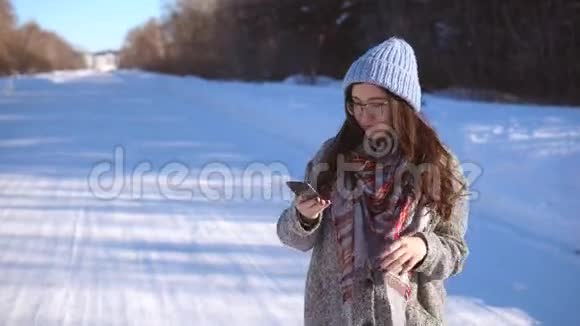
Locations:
{"points": [[388, 227]]}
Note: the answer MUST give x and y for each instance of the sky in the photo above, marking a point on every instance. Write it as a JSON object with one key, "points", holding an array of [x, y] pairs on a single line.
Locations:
{"points": [[90, 25]]}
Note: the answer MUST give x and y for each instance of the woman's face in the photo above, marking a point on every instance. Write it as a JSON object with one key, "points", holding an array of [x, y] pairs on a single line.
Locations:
{"points": [[378, 108]]}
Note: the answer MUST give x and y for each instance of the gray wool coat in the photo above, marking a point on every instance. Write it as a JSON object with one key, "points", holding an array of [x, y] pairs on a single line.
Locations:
{"points": [[446, 253]]}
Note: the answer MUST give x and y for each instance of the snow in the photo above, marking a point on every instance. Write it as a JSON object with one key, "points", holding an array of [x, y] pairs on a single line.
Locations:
{"points": [[344, 16], [183, 234], [346, 4], [308, 80], [84, 75]]}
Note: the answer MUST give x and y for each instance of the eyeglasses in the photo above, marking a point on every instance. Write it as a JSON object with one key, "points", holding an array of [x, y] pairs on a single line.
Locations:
{"points": [[374, 108]]}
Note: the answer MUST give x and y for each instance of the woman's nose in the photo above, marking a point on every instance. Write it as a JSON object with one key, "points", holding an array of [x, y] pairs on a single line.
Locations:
{"points": [[368, 118]]}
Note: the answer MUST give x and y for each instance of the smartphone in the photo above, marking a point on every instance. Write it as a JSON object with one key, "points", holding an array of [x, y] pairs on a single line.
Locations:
{"points": [[303, 189]]}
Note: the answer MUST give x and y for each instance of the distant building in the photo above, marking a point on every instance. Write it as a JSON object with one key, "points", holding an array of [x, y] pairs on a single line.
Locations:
{"points": [[103, 60]]}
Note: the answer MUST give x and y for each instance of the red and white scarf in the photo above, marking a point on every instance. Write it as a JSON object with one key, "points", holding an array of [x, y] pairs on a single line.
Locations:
{"points": [[371, 216]]}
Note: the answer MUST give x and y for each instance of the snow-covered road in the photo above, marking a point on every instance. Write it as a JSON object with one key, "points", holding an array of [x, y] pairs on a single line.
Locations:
{"points": [[113, 210]]}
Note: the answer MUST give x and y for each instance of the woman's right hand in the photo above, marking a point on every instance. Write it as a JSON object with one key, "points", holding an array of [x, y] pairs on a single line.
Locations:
{"points": [[310, 208]]}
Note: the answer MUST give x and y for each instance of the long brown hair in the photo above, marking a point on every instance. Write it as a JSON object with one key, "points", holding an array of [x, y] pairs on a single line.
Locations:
{"points": [[419, 143]]}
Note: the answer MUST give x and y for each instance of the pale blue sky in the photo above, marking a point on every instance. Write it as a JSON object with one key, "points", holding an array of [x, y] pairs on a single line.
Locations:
{"points": [[91, 25]]}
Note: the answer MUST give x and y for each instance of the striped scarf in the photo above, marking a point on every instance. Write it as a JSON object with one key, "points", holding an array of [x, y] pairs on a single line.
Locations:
{"points": [[385, 206]]}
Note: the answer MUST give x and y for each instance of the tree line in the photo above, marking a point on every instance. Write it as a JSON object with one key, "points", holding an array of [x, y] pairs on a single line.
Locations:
{"points": [[29, 48], [520, 50]]}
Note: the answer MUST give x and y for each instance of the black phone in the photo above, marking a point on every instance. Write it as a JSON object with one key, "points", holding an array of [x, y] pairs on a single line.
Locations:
{"points": [[304, 189]]}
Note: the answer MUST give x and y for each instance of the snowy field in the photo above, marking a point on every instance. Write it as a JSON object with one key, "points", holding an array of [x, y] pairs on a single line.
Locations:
{"points": [[113, 209]]}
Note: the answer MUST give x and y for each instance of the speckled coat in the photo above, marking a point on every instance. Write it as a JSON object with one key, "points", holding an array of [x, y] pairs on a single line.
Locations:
{"points": [[446, 253]]}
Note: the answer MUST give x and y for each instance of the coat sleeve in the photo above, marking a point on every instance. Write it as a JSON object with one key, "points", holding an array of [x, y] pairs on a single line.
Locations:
{"points": [[290, 231], [446, 246]]}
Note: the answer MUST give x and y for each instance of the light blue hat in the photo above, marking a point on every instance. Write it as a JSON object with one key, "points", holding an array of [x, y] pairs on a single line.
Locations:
{"points": [[391, 65]]}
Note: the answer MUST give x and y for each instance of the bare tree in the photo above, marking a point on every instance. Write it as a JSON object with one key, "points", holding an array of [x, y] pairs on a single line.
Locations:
{"points": [[7, 23], [29, 48], [526, 49], [144, 47], [39, 50]]}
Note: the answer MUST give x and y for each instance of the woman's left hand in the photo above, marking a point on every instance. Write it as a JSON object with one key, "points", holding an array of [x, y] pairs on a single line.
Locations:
{"points": [[404, 254]]}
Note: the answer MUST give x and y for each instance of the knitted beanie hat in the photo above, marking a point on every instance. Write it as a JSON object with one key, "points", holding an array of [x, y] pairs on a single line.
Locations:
{"points": [[391, 65]]}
